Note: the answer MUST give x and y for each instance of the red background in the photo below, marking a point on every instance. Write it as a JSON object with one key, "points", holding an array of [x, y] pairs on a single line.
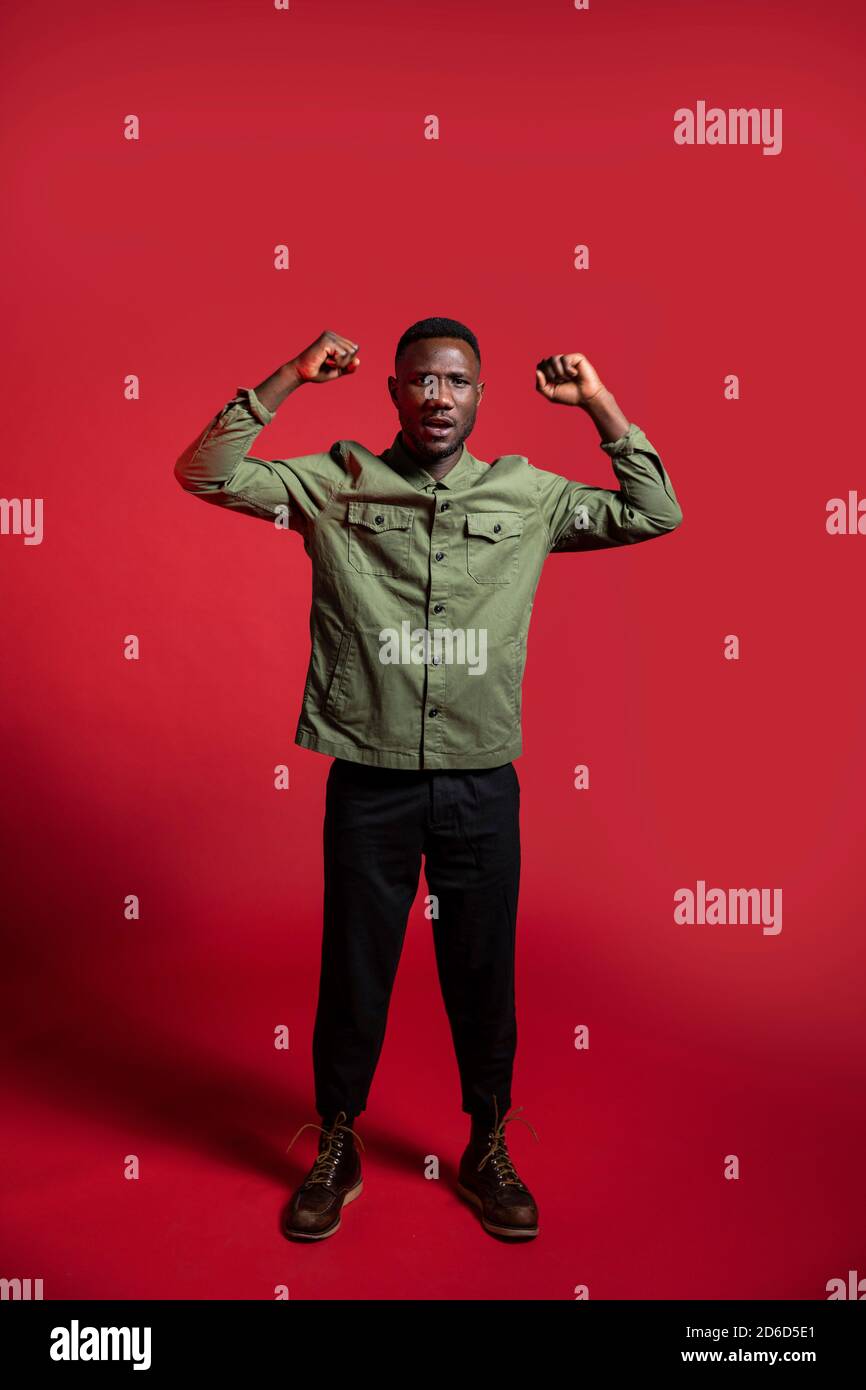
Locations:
{"points": [[155, 777]]}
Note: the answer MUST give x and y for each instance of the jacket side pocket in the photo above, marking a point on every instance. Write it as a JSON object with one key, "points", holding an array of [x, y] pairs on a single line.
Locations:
{"points": [[336, 692]]}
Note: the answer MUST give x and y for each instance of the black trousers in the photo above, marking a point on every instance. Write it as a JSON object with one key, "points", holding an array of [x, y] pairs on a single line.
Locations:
{"points": [[378, 823]]}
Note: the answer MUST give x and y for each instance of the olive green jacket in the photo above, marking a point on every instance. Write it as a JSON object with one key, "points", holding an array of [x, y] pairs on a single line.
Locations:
{"points": [[422, 590]]}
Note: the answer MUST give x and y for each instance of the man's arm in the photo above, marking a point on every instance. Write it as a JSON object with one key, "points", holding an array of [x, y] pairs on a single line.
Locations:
{"points": [[579, 517], [606, 415], [218, 467]]}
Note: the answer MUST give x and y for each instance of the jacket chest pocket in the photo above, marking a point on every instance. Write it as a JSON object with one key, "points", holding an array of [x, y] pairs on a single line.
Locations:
{"points": [[493, 542], [379, 537]]}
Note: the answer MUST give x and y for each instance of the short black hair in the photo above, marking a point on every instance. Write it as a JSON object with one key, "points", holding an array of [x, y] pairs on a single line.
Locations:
{"points": [[437, 328]]}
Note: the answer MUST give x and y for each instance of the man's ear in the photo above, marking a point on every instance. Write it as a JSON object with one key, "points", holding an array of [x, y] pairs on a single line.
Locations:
{"points": [[392, 388], [479, 386]]}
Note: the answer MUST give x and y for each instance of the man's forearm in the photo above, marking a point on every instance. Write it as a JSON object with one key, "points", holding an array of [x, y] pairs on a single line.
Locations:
{"points": [[275, 388], [609, 419]]}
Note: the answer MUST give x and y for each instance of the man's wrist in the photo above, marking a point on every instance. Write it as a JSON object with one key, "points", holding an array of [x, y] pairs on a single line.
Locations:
{"points": [[587, 400], [606, 415], [291, 376], [280, 384]]}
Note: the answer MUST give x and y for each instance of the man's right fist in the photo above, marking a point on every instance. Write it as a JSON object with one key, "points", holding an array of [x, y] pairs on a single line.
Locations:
{"points": [[328, 358]]}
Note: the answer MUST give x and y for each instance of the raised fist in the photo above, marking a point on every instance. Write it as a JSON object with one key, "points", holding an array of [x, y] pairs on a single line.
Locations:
{"points": [[329, 357], [567, 379]]}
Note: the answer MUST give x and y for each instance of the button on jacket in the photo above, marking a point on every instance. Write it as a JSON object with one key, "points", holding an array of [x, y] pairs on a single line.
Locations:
{"points": [[422, 589]]}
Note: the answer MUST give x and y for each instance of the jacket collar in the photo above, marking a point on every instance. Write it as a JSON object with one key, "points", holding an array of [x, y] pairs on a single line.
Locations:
{"points": [[397, 456]]}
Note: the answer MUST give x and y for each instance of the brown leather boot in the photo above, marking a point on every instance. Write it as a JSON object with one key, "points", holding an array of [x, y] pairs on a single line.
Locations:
{"points": [[488, 1178], [334, 1179]]}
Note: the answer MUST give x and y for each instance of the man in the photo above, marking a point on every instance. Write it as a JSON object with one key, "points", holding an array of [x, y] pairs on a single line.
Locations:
{"points": [[425, 563]]}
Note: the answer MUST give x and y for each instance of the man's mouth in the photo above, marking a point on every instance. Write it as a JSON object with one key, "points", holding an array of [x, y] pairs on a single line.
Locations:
{"points": [[437, 427]]}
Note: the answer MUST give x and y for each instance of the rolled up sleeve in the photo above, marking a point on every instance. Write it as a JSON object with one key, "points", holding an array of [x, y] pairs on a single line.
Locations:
{"points": [[218, 467], [580, 517]]}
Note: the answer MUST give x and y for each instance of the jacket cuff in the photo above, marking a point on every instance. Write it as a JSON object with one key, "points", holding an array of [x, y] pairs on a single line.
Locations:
{"points": [[626, 442], [257, 407]]}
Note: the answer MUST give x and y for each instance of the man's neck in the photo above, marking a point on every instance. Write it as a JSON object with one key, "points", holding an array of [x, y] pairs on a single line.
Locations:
{"points": [[437, 468]]}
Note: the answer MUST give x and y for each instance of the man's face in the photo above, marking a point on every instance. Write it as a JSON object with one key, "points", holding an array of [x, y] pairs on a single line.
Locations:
{"points": [[436, 392]]}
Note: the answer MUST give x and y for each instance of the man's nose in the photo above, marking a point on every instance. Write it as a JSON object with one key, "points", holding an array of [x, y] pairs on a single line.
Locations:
{"points": [[438, 390]]}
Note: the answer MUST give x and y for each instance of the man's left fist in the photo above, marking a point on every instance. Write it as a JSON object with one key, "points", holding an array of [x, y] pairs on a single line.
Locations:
{"points": [[567, 379]]}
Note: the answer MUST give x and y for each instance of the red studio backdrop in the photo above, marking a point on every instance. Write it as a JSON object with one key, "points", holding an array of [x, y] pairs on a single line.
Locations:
{"points": [[711, 1047]]}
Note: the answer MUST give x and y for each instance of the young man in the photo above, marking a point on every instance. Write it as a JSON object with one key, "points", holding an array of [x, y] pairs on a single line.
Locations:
{"points": [[425, 563]]}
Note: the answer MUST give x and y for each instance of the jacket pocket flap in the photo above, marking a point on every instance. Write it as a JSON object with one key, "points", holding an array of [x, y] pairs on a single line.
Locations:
{"points": [[380, 516], [495, 526]]}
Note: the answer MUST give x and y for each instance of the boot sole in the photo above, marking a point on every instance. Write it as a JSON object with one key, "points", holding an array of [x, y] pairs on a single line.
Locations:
{"points": [[516, 1233], [332, 1230]]}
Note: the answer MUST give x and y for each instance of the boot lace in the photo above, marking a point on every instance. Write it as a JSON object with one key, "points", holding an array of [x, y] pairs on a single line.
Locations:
{"points": [[328, 1157], [500, 1159]]}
